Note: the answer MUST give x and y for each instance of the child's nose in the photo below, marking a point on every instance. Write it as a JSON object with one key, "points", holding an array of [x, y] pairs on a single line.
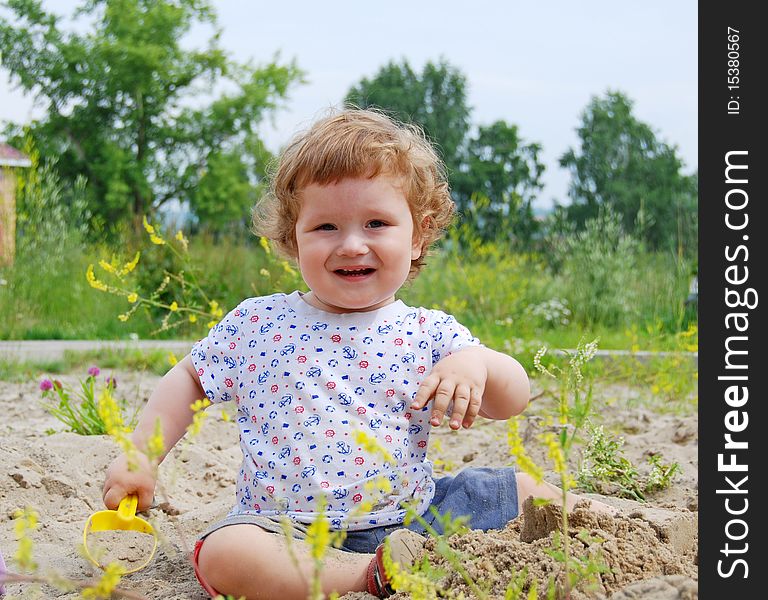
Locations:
{"points": [[352, 244]]}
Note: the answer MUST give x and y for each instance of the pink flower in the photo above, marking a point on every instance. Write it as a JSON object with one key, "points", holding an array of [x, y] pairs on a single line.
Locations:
{"points": [[46, 385], [93, 371]]}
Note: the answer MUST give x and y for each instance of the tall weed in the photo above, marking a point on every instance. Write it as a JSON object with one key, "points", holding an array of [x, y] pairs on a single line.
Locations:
{"points": [[487, 286], [598, 271], [574, 405], [43, 295]]}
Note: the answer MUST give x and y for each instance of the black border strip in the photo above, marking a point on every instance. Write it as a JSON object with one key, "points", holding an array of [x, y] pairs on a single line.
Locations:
{"points": [[730, 544]]}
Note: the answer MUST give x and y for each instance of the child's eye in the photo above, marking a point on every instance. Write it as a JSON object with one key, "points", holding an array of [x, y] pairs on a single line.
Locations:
{"points": [[325, 227], [376, 224]]}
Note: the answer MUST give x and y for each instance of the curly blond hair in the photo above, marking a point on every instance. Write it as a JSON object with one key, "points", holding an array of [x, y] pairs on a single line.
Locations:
{"points": [[357, 143]]}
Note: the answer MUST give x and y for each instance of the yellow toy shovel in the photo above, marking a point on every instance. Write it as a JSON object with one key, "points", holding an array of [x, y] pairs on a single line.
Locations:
{"points": [[122, 519]]}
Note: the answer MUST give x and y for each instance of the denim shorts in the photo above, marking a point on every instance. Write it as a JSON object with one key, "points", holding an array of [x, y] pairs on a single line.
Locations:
{"points": [[487, 496]]}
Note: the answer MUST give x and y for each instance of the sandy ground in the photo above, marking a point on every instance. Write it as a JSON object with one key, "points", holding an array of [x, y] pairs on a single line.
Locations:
{"points": [[650, 549]]}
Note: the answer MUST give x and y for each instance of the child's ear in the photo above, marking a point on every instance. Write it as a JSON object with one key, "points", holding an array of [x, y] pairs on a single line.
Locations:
{"points": [[416, 247], [418, 238]]}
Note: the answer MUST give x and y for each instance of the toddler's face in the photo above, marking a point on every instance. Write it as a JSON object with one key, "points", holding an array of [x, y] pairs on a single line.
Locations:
{"points": [[355, 242]]}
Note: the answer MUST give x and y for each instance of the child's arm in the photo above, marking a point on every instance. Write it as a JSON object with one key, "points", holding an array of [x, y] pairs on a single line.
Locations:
{"points": [[170, 402], [479, 381]]}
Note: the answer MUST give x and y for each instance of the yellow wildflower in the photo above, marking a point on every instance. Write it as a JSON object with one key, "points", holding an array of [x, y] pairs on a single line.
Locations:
{"points": [[106, 266], [193, 318], [130, 266], [319, 535], [92, 281], [156, 239], [200, 404], [172, 360], [106, 585], [215, 310], [174, 306], [148, 227], [517, 450], [378, 485], [288, 268], [26, 521], [264, 243], [124, 317], [156, 443], [555, 452], [184, 241], [264, 272], [133, 297], [110, 412], [199, 415], [418, 585], [372, 445]]}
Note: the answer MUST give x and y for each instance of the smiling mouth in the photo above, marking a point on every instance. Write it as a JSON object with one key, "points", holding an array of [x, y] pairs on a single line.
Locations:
{"points": [[353, 272]]}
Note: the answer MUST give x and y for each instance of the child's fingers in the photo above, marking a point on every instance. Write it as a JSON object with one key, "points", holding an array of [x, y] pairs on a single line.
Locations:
{"points": [[113, 495], [461, 401], [475, 402], [425, 391], [443, 395]]}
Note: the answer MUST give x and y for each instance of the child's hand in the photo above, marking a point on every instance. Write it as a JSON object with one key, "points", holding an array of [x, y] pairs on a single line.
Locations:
{"points": [[459, 377], [126, 477]]}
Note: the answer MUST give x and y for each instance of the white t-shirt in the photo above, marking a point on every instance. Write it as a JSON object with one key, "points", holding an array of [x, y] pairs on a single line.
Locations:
{"points": [[305, 381]]}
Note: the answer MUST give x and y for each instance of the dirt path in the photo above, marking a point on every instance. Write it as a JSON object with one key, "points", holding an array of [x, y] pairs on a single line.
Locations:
{"points": [[41, 350]]}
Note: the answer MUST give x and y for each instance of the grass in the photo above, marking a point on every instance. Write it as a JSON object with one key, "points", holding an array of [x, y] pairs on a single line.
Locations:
{"points": [[512, 302], [57, 303]]}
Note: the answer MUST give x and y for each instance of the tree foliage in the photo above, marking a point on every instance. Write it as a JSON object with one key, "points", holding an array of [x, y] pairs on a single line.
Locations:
{"points": [[498, 182], [435, 99], [622, 165], [129, 107], [494, 175]]}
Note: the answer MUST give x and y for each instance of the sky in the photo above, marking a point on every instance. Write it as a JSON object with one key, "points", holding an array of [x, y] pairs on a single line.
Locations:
{"points": [[533, 64]]}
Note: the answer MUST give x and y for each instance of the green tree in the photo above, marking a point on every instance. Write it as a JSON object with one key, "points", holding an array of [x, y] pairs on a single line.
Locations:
{"points": [[133, 110], [498, 182], [493, 174], [622, 165], [435, 99]]}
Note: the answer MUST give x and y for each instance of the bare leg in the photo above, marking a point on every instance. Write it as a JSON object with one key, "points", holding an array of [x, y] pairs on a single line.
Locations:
{"points": [[527, 486], [245, 560]]}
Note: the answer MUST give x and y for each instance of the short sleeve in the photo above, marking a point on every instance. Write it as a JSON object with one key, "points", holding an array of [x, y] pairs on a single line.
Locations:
{"points": [[448, 335], [217, 357]]}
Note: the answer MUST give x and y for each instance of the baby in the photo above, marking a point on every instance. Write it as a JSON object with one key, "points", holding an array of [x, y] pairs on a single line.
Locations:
{"points": [[324, 380]]}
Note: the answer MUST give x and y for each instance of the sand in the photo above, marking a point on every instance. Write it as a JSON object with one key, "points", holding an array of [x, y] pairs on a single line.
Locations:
{"points": [[650, 548]]}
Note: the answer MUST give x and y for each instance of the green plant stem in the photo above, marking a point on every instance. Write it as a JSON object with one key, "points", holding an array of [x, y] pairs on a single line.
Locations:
{"points": [[18, 578], [451, 556], [566, 537]]}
